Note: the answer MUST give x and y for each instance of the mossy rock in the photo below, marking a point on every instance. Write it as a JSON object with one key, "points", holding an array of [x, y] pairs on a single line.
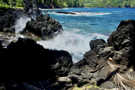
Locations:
{"points": [[86, 87]]}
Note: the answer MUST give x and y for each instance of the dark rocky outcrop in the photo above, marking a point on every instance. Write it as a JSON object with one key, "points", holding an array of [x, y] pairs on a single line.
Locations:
{"points": [[97, 67], [44, 27], [26, 65], [123, 40], [85, 71], [32, 66], [46, 62], [98, 43], [41, 26]]}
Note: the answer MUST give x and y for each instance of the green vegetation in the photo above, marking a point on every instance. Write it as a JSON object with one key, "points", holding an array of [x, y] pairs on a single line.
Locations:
{"points": [[109, 3], [72, 3], [86, 87], [11, 3]]}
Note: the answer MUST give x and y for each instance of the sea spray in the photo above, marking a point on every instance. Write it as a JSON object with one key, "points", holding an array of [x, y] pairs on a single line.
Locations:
{"points": [[76, 44], [21, 23], [19, 26]]}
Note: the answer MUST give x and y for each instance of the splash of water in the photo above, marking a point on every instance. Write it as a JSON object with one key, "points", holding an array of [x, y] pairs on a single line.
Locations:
{"points": [[76, 44], [21, 23]]}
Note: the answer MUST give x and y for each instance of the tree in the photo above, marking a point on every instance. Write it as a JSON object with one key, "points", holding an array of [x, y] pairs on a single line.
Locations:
{"points": [[6, 1], [13, 4]]}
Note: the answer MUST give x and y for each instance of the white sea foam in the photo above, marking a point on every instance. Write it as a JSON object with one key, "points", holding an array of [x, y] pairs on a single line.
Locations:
{"points": [[82, 13], [74, 43], [21, 23], [53, 9]]}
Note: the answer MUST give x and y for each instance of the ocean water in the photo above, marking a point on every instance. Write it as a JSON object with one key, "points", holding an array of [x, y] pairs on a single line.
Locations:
{"points": [[86, 25]]}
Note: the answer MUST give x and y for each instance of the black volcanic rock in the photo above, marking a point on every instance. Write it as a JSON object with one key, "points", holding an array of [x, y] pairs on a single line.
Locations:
{"points": [[94, 66], [123, 41], [29, 58], [120, 46], [123, 36], [44, 27], [97, 43], [92, 56], [84, 71], [31, 67]]}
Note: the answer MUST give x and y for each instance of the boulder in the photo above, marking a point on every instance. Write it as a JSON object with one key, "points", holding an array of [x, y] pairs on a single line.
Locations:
{"points": [[83, 72], [123, 36], [92, 57], [31, 66], [44, 27], [26, 56], [123, 41], [98, 43]]}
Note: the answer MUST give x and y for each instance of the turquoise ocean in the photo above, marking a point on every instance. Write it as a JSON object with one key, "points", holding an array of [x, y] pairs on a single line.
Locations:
{"points": [[86, 25]]}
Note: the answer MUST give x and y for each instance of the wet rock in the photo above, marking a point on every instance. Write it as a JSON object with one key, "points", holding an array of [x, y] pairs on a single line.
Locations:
{"points": [[92, 57], [98, 43], [83, 72], [44, 27]]}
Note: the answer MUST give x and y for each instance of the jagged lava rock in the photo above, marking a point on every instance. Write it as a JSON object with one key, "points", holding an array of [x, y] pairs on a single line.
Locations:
{"points": [[82, 72], [123, 41], [120, 47], [44, 27], [92, 57], [97, 43], [27, 57]]}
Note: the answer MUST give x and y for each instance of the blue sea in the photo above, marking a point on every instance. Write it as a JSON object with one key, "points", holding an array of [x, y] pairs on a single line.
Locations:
{"points": [[86, 25]]}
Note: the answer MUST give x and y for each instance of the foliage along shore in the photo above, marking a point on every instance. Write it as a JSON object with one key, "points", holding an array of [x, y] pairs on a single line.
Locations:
{"points": [[72, 3]]}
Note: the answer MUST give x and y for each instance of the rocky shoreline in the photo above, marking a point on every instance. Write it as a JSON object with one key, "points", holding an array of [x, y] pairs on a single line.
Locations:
{"points": [[43, 27], [106, 66]]}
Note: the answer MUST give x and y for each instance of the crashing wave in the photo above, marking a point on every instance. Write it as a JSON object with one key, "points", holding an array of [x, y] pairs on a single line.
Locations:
{"points": [[74, 43]]}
